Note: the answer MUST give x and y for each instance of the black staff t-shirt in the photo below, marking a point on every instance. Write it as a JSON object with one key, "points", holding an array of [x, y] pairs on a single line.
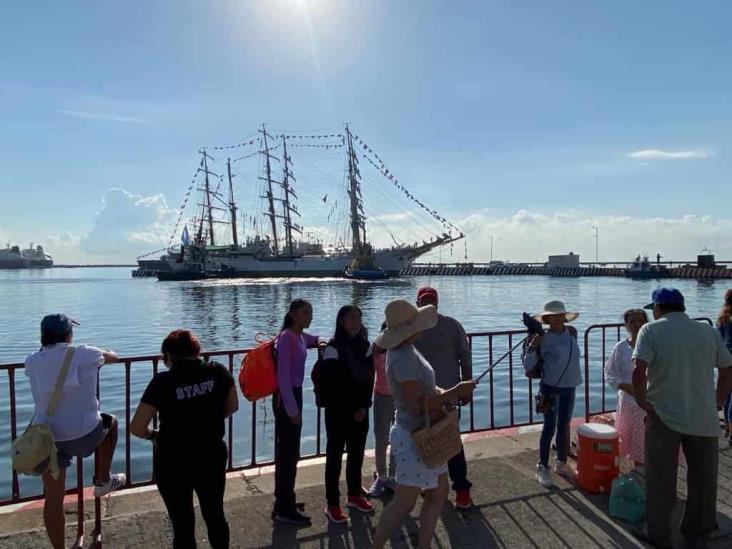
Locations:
{"points": [[190, 399]]}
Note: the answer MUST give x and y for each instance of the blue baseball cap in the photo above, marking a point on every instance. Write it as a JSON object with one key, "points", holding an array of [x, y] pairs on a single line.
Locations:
{"points": [[665, 296], [58, 324]]}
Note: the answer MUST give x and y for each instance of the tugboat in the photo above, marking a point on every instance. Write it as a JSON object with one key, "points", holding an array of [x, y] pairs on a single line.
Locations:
{"points": [[364, 266], [643, 269]]}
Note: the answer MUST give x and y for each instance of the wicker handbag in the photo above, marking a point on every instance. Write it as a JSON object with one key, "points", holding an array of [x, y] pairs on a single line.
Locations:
{"points": [[439, 442]]}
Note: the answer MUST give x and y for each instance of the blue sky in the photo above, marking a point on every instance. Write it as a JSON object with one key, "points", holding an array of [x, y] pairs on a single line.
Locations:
{"points": [[492, 112]]}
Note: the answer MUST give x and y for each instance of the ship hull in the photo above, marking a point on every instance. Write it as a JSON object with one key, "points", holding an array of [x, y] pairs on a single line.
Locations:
{"points": [[391, 261], [41, 263], [14, 264]]}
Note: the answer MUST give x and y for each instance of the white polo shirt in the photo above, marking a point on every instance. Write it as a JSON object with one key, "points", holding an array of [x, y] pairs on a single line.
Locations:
{"points": [[77, 412]]}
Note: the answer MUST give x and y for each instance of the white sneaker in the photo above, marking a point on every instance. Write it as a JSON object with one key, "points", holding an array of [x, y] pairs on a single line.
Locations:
{"points": [[379, 488], [115, 482], [544, 476], [567, 471]]}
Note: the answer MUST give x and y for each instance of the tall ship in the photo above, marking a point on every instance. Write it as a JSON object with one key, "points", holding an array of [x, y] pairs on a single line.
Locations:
{"points": [[271, 234], [12, 257]]}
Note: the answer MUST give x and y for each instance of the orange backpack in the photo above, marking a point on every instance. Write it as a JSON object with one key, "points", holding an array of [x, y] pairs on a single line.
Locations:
{"points": [[258, 374]]}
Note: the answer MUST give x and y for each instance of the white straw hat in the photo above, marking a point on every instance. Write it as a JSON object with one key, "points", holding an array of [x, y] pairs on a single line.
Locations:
{"points": [[555, 308], [403, 320]]}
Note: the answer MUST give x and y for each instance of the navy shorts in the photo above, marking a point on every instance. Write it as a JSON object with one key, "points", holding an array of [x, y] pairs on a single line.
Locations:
{"points": [[83, 446]]}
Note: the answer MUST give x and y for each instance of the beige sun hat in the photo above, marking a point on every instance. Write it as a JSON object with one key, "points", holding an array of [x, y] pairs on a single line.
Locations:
{"points": [[555, 308], [403, 320]]}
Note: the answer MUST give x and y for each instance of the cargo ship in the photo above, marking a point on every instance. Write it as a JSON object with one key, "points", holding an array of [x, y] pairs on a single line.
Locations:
{"points": [[12, 257]]}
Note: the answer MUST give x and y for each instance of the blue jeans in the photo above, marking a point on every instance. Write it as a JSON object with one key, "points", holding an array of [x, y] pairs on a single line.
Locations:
{"points": [[728, 409], [557, 421]]}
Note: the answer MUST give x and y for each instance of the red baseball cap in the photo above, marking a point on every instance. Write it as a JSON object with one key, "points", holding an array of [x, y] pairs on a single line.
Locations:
{"points": [[427, 292]]}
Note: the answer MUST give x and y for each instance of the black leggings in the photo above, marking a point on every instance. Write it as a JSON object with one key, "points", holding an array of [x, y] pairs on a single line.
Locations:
{"points": [[344, 433], [176, 482], [287, 454]]}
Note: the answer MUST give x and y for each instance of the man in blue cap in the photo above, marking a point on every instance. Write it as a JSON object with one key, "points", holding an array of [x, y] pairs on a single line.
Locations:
{"points": [[675, 358], [77, 425]]}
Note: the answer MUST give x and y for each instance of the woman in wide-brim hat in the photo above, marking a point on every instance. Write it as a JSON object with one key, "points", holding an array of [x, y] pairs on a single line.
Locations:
{"points": [[411, 380], [560, 374]]}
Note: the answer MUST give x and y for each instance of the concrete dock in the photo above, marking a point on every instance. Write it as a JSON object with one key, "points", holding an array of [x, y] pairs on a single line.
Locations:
{"points": [[511, 510]]}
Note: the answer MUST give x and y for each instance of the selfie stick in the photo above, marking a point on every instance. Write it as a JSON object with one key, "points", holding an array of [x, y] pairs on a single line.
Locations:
{"points": [[481, 376]]}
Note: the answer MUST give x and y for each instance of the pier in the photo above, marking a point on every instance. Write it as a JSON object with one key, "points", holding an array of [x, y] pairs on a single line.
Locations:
{"points": [[511, 508], [681, 270]]}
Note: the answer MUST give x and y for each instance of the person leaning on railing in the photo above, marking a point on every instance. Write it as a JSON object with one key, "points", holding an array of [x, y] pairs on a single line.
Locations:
{"points": [[412, 381], [193, 398], [77, 425], [559, 352]]}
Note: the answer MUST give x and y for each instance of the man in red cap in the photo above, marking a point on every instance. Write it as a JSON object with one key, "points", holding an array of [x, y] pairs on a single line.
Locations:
{"points": [[447, 350]]}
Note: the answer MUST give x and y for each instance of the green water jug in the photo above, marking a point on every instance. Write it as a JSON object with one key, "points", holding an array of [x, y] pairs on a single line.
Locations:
{"points": [[627, 499]]}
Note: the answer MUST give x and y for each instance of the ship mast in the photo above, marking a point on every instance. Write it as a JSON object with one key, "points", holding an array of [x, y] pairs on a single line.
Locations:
{"points": [[232, 204], [269, 195], [358, 221], [288, 207], [209, 206]]}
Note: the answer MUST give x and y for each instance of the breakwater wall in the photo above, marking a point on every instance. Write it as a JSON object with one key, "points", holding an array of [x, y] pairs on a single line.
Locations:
{"points": [[471, 269]]}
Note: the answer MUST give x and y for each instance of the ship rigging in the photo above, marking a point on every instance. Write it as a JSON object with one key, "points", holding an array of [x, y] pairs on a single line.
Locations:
{"points": [[266, 234]]}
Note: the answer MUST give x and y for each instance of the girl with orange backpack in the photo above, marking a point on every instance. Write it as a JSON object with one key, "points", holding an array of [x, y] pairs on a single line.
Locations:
{"points": [[292, 350]]}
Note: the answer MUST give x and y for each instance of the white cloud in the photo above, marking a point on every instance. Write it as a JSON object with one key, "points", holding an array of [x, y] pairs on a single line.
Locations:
{"points": [[125, 226], [532, 236], [128, 225], [655, 154], [106, 116]]}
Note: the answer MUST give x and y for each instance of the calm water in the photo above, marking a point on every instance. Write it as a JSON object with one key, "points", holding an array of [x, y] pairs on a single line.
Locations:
{"points": [[131, 316]]}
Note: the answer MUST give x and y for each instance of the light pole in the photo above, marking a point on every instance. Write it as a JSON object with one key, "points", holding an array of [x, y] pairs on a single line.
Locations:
{"points": [[597, 245], [491, 237]]}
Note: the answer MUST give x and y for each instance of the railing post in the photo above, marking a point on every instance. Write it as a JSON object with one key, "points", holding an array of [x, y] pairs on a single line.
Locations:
{"points": [[230, 451], [13, 428], [510, 379], [79, 500], [128, 459], [472, 400], [587, 374], [253, 457], [490, 380]]}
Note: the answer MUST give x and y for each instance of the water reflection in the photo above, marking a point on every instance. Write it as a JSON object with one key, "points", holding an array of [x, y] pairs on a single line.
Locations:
{"points": [[132, 316]]}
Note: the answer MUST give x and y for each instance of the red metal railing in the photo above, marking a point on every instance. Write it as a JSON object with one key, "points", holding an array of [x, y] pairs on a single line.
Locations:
{"points": [[503, 399]]}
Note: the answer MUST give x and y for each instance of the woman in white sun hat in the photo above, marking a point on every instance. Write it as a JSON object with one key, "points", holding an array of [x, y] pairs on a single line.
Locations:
{"points": [[411, 379], [560, 375]]}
